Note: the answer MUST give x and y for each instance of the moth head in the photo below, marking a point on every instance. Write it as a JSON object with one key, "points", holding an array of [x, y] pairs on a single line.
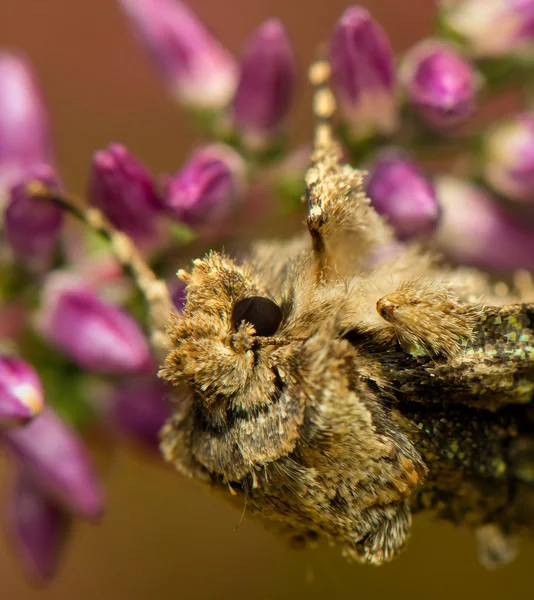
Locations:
{"points": [[222, 342]]}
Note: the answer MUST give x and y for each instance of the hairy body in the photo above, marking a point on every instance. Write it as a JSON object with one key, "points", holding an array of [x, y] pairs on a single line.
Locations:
{"points": [[336, 387]]}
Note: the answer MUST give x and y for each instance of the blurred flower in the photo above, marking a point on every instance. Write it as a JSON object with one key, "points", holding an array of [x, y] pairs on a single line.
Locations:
{"points": [[177, 288], [37, 526], [56, 457], [123, 189], [138, 409], [492, 27], [440, 83], [199, 71], [266, 84], [400, 192], [21, 393], [363, 74], [98, 336], [24, 125], [208, 188], [509, 157], [475, 230], [32, 226]]}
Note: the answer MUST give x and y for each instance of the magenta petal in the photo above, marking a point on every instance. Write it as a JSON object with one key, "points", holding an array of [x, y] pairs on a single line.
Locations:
{"points": [[56, 456], [37, 526]]}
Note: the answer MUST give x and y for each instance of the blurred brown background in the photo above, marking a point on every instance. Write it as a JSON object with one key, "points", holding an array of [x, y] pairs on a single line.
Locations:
{"points": [[164, 537]]}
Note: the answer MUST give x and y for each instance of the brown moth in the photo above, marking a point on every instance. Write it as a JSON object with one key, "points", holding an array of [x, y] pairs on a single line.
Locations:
{"points": [[335, 394]]}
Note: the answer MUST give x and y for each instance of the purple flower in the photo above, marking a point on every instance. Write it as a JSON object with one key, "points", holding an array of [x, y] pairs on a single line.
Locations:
{"points": [[440, 84], [38, 527], [123, 189], [32, 226], [266, 84], [96, 335], [24, 125], [493, 27], [138, 410], [363, 74], [55, 456], [402, 194], [509, 157], [208, 188], [475, 230], [21, 394], [197, 69]]}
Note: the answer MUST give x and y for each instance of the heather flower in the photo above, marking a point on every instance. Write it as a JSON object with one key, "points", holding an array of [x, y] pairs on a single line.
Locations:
{"points": [[208, 188], [37, 525], [124, 190], [24, 124], [56, 457], [266, 84], [363, 74], [492, 27], [401, 192], [32, 226], [476, 230], [95, 334], [21, 393], [197, 69], [509, 157], [440, 84], [138, 410]]}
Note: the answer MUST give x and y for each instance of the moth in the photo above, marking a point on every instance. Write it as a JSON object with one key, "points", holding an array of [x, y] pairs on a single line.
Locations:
{"points": [[337, 393]]}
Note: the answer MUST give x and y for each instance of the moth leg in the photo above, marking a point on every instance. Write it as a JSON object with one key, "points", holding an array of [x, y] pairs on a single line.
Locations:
{"points": [[344, 228], [429, 318], [388, 537], [155, 291]]}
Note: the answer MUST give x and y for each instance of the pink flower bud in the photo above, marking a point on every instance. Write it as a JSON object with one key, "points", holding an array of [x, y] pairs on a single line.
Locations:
{"points": [[38, 527], [197, 69], [266, 84], [96, 335], [441, 85], [493, 27], [363, 74], [509, 157], [475, 230], [123, 189], [24, 125], [138, 410], [32, 225], [401, 192], [21, 393], [208, 188], [57, 459]]}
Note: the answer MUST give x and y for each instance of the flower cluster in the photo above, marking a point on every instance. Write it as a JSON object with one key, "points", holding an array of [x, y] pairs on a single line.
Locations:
{"points": [[73, 352]]}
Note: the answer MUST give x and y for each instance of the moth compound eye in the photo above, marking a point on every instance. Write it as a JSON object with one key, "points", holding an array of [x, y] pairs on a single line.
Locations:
{"points": [[264, 314]]}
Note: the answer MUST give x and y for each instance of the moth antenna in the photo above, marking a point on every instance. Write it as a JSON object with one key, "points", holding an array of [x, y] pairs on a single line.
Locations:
{"points": [[154, 290], [343, 226], [324, 108]]}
